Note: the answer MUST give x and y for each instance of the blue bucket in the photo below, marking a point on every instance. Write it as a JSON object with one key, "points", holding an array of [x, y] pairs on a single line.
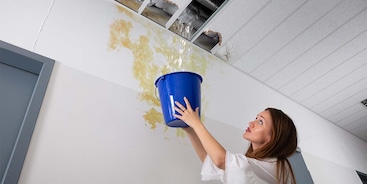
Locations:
{"points": [[174, 87]]}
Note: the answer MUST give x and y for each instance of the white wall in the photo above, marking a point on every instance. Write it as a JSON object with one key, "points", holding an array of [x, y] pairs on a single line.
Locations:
{"points": [[95, 125]]}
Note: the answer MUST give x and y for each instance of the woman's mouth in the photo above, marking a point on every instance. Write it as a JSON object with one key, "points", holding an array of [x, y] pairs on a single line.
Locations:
{"points": [[248, 129]]}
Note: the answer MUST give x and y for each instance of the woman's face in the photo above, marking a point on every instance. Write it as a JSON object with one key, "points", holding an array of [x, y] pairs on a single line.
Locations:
{"points": [[258, 131]]}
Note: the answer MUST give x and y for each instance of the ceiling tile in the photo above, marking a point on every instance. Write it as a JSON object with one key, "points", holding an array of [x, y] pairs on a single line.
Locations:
{"points": [[338, 91], [317, 42], [329, 69], [308, 93], [295, 25], [343, 116], [345, 108], [356, 125], [264, 24], [228, 22], [350, 117]]}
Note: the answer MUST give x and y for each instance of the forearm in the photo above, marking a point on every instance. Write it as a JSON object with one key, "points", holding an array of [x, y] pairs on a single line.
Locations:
{"points": [[201, 135], [215, 151], [196, 143]]}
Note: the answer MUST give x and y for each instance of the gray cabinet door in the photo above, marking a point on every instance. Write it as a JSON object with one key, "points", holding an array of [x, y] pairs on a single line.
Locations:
{"points": [[300, 170], [16, 87], [23, 80]]}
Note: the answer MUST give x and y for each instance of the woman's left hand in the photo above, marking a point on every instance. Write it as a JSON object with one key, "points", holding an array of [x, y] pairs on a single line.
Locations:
{"points": [[188, 115]]}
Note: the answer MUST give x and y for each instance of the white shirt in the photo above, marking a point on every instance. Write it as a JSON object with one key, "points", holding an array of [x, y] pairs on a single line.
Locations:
{"points": [[240, 169]]}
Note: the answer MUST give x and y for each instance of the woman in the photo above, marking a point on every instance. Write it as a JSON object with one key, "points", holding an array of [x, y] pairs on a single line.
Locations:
{"points": [[273, 138]]}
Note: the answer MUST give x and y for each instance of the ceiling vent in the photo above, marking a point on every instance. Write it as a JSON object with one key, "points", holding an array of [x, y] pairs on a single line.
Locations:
{"points": [[364, 102]]}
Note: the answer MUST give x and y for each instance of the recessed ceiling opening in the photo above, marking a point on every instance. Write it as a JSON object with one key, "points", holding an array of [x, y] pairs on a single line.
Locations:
{"points": [[186, 18]]}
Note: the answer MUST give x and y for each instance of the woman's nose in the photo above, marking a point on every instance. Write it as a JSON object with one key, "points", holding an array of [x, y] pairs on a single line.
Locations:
{"points": [[251, 124]]}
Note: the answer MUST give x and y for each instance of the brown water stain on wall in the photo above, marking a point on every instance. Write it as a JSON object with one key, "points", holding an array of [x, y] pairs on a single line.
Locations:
{"points": [[148, 51]]}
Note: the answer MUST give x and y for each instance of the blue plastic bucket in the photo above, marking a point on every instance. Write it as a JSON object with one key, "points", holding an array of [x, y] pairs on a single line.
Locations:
{"points": [[174, 87]]}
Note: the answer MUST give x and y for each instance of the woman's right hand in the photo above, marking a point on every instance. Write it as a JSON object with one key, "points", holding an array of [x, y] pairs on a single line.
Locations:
{"points": [[187, 114], [204, 143]]}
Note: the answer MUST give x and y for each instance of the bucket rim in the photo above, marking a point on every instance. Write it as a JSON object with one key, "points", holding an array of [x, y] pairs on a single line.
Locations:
{"points": [[156, 81]]}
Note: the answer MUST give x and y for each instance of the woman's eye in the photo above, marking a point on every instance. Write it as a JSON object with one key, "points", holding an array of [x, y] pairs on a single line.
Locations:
{"points": [[261, 122]]}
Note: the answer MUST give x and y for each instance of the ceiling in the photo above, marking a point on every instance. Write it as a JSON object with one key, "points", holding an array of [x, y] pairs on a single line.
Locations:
{"points": [[312, 51]]}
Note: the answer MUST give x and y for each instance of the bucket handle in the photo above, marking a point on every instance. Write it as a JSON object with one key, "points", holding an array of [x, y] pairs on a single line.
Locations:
{"points": [[155, 91]]}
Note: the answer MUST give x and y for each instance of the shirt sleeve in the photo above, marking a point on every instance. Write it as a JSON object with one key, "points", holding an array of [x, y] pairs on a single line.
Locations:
{"points": [[210, 171], [235, 171], [240, 170]]}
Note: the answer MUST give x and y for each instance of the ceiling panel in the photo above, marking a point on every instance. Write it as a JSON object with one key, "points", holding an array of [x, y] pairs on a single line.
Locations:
{"points": [[329, 69], [338, 91], [353, 117], [330, 80], [258, 28], [230, 19], [342, 117], [345, 108], [356, 125], [314, 52], [284, 34], [317, 42]]}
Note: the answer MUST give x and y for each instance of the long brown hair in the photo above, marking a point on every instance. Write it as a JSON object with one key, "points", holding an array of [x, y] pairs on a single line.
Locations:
{"points": [[283, 144]]}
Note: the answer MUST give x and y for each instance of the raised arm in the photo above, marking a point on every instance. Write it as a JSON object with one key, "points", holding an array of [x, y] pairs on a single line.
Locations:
{"points": [[196, 143], [211, 146]]}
